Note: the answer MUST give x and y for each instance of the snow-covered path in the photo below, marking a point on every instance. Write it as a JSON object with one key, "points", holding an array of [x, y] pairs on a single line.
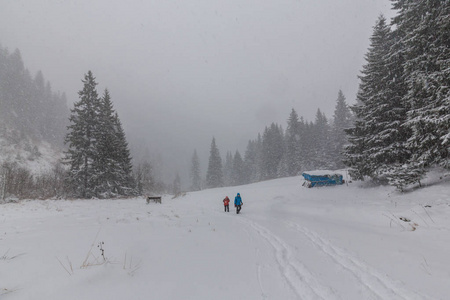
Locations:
{"points": [[289, 242]]}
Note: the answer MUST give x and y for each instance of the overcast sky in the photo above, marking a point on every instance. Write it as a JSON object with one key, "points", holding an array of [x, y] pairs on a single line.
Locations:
{"points": [[182, 71]]}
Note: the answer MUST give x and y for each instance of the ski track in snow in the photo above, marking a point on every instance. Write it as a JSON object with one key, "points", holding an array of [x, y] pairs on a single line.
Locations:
{"points": [[259, 271], [296, 275], [379, 285]]}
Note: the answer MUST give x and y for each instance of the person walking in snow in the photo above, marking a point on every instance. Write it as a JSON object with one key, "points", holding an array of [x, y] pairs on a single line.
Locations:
{"points": [[238, 203], [226, 204]]}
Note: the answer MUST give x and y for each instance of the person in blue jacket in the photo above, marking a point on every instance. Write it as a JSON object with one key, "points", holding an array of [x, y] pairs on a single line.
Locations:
{"points": [[238, 203]]}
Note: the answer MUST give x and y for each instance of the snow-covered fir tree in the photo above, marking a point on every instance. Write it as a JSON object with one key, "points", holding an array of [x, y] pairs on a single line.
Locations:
{"points": [[377, 138], [105, 167], [214, 175], [82, 140], [228, 170], [177, 185], [238, 174], [342, 120], [283, 167], [425, 28], [293, 144], [125, 183], [272, 151], [145, 182], [321, 142], [307, 145], [195, 175], [252, 160]]}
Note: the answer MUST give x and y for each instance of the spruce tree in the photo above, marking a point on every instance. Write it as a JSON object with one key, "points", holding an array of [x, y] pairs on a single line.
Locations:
{"points": [[214, 175], [228, 170], [82, 140], [114, 166], [252, 160], [238, 175], [195, 173], [272, 151], [283, 167], [341, 121], [293, 148], [125, 181], [426, 38], [145, 183], [105, 166], [177, 185], [321, 142], [307, 148], [377, 138]]}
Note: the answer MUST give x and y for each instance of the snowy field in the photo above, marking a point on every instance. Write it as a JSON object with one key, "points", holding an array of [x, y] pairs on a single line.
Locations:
{"points": [[289, 242]]}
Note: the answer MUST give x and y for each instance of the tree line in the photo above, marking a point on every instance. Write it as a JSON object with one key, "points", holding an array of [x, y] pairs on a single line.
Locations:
{"points": [[278, 152]]}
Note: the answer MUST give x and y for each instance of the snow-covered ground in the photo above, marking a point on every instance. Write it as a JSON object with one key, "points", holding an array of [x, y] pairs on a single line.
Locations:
{"points": [[289, 242]]}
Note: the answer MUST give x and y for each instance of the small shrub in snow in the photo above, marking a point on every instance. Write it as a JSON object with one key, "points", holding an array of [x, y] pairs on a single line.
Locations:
{"points": [[100, 246]]}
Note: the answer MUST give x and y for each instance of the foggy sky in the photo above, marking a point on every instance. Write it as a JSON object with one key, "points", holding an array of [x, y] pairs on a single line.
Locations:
{"points": [[182, 71]]}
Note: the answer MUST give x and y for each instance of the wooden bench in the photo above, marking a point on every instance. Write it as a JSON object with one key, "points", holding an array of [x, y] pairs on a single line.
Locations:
{"points": [[154, 199]]}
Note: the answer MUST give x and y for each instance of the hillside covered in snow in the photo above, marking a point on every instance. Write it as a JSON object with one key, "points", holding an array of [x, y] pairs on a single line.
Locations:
{"points": [[289, 242]]}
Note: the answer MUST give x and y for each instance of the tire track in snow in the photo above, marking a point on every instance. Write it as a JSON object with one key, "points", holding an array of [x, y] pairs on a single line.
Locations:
{"points": [[297, 276], [380, 285]]}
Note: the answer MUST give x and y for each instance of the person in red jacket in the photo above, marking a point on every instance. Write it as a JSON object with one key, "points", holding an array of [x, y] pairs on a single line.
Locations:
{"points": [[226, 203]]}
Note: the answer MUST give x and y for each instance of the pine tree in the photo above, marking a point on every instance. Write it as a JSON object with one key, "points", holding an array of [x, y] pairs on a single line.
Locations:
{"points": [[425, 28], [293, 147], [125, 181], [238, 175], [252, 160], [105, 166], [113, 166], [177, 185], [214, 175], [195, 173], [341, 121], [321, 158], [377, 139], [228, 170], [272, 151], [81, 140], [145, 183], [307, 146], [283, 167]]}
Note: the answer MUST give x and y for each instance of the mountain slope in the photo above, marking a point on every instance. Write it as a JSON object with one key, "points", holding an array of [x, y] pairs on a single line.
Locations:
{"points": [[289, 242]]}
